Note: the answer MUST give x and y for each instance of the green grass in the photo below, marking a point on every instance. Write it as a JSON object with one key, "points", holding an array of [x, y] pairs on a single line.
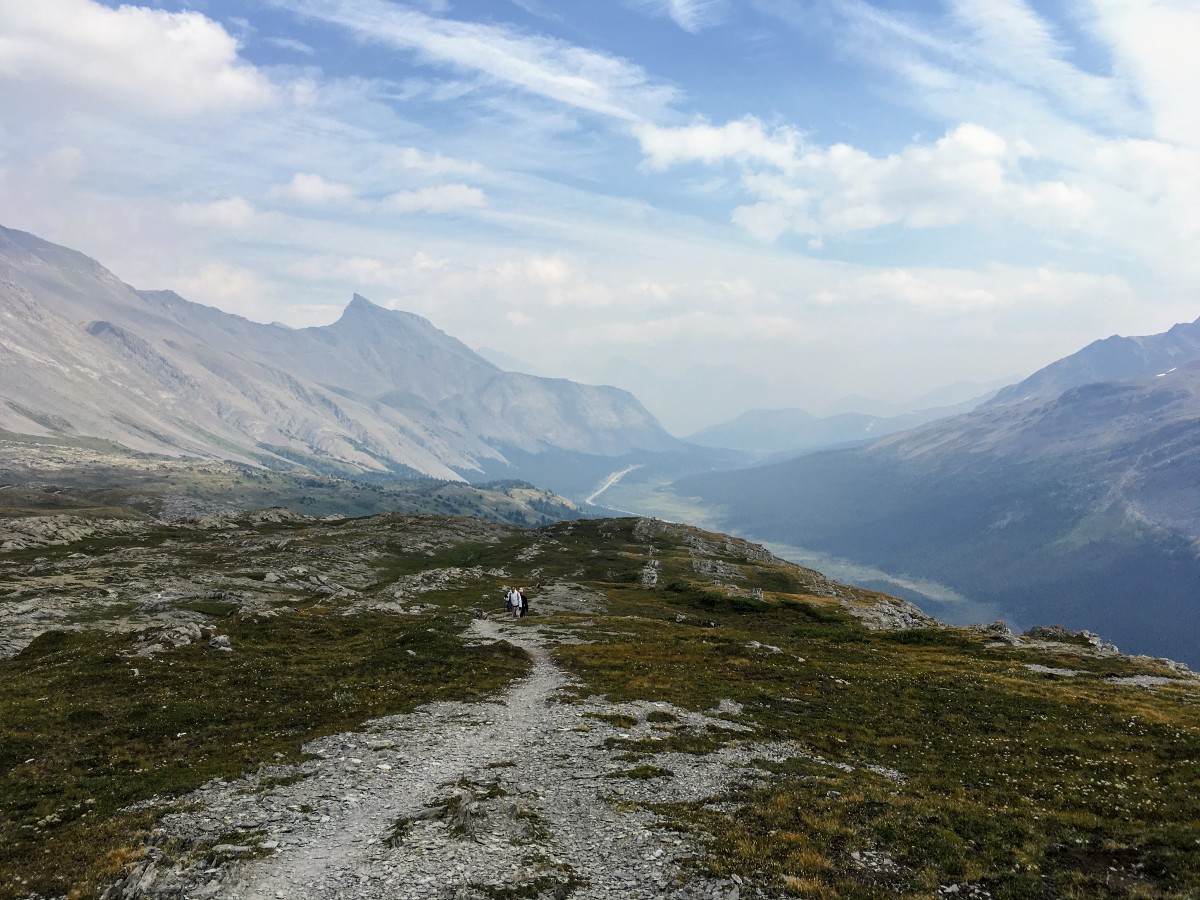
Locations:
{"points": [[1025, 785], [84, 736]]}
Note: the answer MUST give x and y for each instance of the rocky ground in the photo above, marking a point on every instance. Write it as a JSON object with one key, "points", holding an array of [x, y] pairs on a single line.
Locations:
{"points": [[464, 801], [532, 792]]}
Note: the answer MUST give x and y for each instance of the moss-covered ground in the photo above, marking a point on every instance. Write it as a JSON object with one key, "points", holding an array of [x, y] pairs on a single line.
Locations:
{"points": [[923, 758]]}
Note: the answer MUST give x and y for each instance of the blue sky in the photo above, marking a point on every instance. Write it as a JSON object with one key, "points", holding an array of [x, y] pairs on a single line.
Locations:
{"points": [[720, 205]]}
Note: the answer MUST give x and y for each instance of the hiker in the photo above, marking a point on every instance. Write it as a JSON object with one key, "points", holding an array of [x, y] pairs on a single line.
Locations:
{"points": [[524, 602], [516, 603], [508, 599]]}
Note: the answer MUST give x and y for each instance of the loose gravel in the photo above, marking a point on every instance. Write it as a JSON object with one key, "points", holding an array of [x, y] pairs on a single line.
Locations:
{"points": [[518, 797]]}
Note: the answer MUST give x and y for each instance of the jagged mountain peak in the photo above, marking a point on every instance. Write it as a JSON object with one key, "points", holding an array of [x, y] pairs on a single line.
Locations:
{"points": [[360, 307], [1114, 358], [365, 323], [379, 389]]}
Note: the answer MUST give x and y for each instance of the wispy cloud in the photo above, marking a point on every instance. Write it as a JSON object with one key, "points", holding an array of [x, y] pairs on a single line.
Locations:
{"points": [[1006, 67], [441, 199], [231, 213], [287, 43], [1008, 38], [434, 164], [691, 15], [308, 187], [544, 66], [1154, 43]]}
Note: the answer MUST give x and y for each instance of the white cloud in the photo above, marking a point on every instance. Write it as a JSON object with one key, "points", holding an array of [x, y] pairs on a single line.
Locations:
{"points": [[287, 43], [434, 164], [690, 15], [998, 291], [536, 280], [232, 213], [971, 173], [743, 140], [140, 60], [544, 66], [1118, 151], [307, 187], [230, 288], [1155, 43], [441, 199], [1008, 38]]}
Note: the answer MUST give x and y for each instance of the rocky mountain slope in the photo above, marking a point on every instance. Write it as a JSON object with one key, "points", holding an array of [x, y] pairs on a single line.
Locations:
{"points": [[265, 704], [85, 356], [1114, 358], [1082, 509], [82, 484]]}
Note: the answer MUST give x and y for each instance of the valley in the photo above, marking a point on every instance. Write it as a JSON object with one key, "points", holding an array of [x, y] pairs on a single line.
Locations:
{"points": [[659, 498], [640, 450], [282, 667]]}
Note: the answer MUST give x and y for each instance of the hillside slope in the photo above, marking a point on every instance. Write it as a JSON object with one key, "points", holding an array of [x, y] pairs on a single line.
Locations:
{"points": [[1080, 510], [83, 355], [269, 705], [1114, 358]]}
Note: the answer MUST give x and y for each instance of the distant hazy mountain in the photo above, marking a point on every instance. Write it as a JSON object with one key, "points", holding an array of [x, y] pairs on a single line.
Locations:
{"points": [[1082, 509], [959, 393], [857, 404], [769, 431], [83, 355], [1115, 358], [508, 362]]}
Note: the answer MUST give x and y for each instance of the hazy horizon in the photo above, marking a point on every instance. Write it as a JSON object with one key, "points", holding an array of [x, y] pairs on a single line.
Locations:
{"points": [[719, 206]]}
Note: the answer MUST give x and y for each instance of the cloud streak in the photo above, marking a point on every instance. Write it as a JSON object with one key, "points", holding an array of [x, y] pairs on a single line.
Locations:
{"points": [[444, 198], [585, 79], [691, 15]]}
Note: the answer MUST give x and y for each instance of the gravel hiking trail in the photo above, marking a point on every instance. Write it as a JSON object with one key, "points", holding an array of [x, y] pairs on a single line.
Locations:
{"points": [[514, 797]]}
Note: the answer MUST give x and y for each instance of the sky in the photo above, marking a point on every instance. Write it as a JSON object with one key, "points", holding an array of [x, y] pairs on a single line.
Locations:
{"points": [[718, 204]]}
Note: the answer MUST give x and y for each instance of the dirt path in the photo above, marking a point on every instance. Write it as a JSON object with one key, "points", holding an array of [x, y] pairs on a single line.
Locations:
{"points": [[510, 798]]}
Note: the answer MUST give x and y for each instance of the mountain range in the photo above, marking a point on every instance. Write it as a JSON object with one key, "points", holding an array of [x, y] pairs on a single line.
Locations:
{"points": [[1072, 498], [84, 356], [1114, 358], [781, 431]]}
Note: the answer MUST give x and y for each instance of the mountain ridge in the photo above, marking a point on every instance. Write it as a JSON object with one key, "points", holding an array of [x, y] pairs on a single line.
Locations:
{"points": [[377, 390], [1113, 358], [1077, 508]]}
